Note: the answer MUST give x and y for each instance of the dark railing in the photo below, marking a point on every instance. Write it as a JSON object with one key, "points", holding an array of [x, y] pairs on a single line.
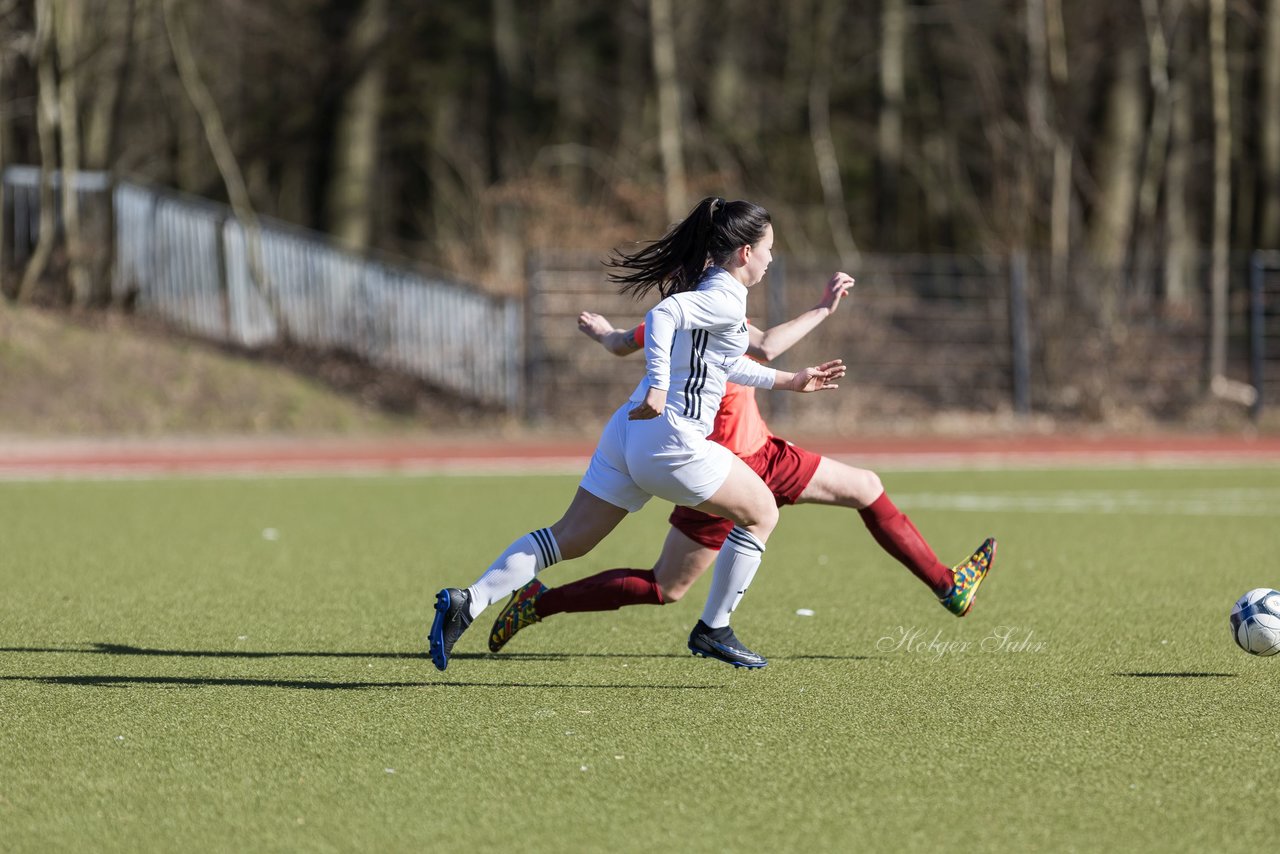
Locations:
{"points": [[929, 336]]}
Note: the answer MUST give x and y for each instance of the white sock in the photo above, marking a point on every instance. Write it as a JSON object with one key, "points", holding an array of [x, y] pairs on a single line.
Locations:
{"points": [[514, 568], [736, 565]]}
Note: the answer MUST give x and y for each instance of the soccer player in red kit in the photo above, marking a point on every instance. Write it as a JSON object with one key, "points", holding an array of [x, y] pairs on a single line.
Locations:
{"points": [[795, 475]]}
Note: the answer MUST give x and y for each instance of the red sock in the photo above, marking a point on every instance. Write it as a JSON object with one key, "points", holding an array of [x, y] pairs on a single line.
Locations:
{"points": [[604, 591], [896, 535]]}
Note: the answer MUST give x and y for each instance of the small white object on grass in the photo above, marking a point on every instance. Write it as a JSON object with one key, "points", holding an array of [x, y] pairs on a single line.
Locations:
{"points": [[804, 612], [270, 534]]}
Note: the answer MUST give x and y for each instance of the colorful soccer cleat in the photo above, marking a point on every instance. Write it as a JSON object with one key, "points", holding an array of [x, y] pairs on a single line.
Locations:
{"points": [[519, 612], [723, 645], [453, 615], [967, 576]]}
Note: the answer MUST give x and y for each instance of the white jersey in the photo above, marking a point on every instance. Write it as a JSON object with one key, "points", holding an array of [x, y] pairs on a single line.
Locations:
{"points": [[695, 341]]}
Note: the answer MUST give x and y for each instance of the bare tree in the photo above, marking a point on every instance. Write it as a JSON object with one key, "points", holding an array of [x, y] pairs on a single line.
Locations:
{"points": [[1158, 130], [355, 161], [1118, 160], [1048, 172], [7, 48], [237, 192], [893, 48], [1180, 245], [1060, 207], [824, 147], [501, 119], [1269, 109], [104, 120], [1037, 96], [68, 19], [1220, 271], [46, 132], [729, 97], [670, 133]]}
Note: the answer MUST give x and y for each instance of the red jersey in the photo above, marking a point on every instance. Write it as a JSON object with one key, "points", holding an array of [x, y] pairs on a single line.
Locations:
{"points": [[739, 426]]}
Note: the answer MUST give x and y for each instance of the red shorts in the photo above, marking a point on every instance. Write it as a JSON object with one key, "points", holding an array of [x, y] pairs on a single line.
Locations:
{"points": [[785, 468]]}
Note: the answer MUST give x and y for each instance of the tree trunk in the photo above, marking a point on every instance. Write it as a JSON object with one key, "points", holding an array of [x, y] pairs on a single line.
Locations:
{"points": [[801, 21], [573, 74], [355, 155], [670, 132], [506, 60], [1060, 216], [1118, 160], [632, 87], [1218, 280], [68, 24], [1157, 148], [1038, 154], [1269, 109], [102, 127], [893, 46], [824, 148], [734, 112], [4, 152], [46, 131], [1181, 256]]}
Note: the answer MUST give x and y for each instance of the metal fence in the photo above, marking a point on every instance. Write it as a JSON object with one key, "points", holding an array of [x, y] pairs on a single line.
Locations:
{"points": [[928, 336], [1264, 329], [187, 260]]}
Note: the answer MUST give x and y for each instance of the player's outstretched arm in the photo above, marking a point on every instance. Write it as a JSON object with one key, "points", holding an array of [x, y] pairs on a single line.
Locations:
{"points": [[619, 342], [771, 343], [817, 378]]}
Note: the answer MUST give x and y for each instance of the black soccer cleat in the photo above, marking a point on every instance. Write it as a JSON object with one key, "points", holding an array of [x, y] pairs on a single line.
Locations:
{"points": [[453, 615], [722, 644]]}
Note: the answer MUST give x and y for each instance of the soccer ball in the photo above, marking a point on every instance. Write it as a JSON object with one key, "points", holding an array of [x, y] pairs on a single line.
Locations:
{"points": [[1255, 621]]}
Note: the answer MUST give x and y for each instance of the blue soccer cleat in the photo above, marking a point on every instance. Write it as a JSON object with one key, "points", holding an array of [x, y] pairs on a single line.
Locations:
{"points": [[453, 615]]}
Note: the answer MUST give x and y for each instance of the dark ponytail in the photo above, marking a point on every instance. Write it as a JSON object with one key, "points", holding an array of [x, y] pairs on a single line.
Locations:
{"points": [[709, 234]]}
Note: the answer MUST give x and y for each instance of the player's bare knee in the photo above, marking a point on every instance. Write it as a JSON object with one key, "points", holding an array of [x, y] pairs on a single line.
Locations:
{"points": [[672, 593], [761, 520], [869, 488], [770, 518]]}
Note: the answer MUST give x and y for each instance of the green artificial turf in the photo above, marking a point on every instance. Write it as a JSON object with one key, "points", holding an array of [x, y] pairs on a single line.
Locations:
{"points": [[237, 665]]}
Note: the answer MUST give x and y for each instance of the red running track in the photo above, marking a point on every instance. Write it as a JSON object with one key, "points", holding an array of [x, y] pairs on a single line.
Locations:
{"points": [[38, 459]]}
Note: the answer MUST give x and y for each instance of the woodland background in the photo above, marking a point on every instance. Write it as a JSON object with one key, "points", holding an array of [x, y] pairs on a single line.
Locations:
{"points": [[1122, 145]]}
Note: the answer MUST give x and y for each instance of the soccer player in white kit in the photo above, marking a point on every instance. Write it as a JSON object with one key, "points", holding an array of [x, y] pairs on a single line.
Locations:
{"points": [[656, 443]]}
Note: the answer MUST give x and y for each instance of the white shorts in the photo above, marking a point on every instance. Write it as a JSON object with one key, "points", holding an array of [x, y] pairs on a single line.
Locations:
{"points": [[665, 456]]}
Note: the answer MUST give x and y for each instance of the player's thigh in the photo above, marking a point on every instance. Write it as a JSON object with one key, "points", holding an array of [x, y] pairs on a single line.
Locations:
{"points": [[744, 498], [681, 563], [842, 485]]}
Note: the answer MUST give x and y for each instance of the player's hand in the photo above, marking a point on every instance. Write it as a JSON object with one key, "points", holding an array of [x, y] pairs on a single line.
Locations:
{"points": [[655, 400], [818, 378], [840, 284], [594, 325]]}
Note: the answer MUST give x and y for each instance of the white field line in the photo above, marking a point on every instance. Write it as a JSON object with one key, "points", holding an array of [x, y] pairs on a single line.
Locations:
{"points": [[1058, 461], [1259, 502]]}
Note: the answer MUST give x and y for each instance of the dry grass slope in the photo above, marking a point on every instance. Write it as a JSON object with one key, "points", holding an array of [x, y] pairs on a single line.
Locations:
{"points": [[104, 374]]}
